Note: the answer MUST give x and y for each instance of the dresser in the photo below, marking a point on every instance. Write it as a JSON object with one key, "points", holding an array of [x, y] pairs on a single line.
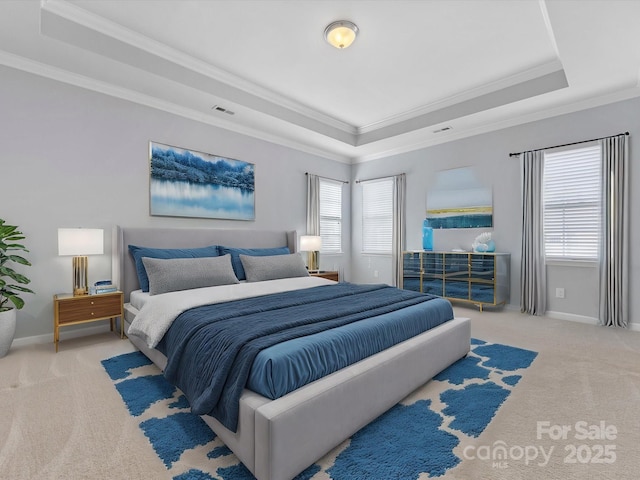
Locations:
{"points": [[479, 278]]}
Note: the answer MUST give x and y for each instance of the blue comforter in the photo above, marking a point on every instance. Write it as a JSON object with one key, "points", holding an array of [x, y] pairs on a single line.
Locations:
{"points": [[210, 349], [289, 365]]}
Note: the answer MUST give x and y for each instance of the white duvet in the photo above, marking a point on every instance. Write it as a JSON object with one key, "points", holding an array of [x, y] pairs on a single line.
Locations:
{"points": [[158, 312]]}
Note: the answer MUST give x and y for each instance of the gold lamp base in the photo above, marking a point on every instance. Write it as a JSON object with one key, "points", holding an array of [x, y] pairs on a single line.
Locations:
{"points": [[80, 269], [313, 262]]}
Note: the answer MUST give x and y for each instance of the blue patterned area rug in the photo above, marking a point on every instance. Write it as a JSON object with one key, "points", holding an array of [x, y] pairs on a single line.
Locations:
{"points": [[417, 436]]}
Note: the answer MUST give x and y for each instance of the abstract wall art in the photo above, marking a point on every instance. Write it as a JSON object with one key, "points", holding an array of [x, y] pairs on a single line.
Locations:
{"points": [[459, 200]]}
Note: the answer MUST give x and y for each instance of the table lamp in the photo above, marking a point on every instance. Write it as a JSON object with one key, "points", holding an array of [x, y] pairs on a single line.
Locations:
{"points": [[80, 242], [311, 244]]}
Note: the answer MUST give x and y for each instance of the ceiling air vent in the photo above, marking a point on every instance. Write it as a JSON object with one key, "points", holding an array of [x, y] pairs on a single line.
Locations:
{"points": [[443, 129], [218, 108]]}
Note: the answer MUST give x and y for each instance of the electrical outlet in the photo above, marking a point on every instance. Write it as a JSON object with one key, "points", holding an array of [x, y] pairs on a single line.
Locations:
{"points": [[375, 274], [559, 292]]}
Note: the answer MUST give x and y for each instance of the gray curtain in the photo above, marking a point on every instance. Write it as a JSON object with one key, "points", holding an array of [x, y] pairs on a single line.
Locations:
{"points": [[614, 257], [313, 204], [399, 225], [533, 274]]}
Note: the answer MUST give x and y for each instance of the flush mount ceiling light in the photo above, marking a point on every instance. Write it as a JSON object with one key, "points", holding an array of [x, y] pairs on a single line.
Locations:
{"points": [[341, 34]]}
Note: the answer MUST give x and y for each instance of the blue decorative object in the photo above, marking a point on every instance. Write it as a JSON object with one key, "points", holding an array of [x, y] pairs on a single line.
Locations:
{"points": [[484, 243], [427, 236], [406, 442]]}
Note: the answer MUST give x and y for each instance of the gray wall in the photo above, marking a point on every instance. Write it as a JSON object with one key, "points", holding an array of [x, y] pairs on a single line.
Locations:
{"points": [[488, 154], [74, 158]]}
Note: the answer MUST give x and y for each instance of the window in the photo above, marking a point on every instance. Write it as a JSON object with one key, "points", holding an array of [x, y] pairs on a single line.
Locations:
{"points": [[377, 216], [572, 204], [331, 215]]}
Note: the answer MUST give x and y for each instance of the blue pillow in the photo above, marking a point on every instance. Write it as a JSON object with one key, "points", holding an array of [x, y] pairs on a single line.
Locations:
{"points": [[236, 263], [139, 252]]}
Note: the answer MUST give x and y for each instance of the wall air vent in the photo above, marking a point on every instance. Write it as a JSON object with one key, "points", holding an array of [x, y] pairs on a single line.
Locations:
{"points": [[218, 108], [443, 129]]}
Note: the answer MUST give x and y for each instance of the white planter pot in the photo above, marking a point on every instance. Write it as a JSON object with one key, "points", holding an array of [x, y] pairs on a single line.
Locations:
{"points": [[7, 330]]}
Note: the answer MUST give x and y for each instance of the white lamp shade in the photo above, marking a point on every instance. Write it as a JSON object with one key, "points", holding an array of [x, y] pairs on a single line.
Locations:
{"points": [[80, 241], [310, 243]]}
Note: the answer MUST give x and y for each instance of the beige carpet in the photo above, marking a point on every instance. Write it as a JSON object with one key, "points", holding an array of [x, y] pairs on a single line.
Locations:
{"points": [[63, 419]]}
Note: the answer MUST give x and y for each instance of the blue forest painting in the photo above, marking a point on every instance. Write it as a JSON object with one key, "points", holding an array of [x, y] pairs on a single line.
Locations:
{"points": [[186, 183]]}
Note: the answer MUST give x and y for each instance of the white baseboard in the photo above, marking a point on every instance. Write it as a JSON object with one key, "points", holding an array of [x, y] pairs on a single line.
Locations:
{"points": [[583, 319], [64, 334], [571, 317], [93, 330]]}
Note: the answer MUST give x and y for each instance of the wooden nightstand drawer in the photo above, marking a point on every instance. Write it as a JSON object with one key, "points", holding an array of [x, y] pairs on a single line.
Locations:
{"points": [[329, 275], [93, 306]]}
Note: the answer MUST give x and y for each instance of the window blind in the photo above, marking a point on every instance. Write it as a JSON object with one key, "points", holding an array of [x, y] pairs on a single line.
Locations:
{"points": [[377, 216], [572, 203], [331, 216]]}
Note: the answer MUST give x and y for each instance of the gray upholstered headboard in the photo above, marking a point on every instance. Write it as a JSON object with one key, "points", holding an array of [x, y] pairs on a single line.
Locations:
{"points": [[123, 266]]}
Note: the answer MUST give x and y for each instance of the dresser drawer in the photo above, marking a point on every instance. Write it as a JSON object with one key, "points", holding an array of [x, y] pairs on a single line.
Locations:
{"points": [[87, 308]]}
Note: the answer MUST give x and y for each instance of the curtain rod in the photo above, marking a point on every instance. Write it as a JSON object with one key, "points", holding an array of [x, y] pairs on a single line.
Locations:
{"points": [[378, 178], [329, 178], [567, 144]]}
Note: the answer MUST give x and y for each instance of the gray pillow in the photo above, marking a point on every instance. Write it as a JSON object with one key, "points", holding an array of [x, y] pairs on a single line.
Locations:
{"points": [[273, 267], [173, 274]]}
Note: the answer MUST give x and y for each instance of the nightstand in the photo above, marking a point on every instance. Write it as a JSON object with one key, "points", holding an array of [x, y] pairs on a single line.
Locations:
{"points": [[73, 310], [329, 275]]}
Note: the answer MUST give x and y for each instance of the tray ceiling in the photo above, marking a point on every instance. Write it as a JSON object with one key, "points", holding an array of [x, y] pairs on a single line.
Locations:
{"points": [[419, 73]]}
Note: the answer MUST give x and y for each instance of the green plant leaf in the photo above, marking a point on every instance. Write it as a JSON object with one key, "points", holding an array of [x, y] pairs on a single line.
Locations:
{"points": [[19, 288], [9, 236], [19, 259], [12, 246], [17, 301], [18, 277]]}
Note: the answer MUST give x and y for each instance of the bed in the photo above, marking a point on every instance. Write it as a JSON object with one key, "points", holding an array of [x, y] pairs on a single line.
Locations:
{"points": [[277, 439]]}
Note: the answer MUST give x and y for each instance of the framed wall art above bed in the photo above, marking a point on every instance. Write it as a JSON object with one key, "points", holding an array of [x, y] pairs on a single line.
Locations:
{"points": [[188, 183]]}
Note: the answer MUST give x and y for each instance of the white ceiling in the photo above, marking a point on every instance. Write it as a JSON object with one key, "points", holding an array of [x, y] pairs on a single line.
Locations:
{"points": [[415, 68]]}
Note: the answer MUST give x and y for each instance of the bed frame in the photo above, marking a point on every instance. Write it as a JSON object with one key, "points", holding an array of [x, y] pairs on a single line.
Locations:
{"points": [[277, 439]]}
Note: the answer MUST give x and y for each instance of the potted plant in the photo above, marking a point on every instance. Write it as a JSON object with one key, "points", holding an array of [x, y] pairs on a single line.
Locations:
{"points": [[11, 283]]}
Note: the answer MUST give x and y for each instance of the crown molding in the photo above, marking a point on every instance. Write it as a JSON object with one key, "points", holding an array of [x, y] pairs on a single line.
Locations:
{"points": [[37, 68], [579, 105], [491, 87], [91, 21], [414, 119]]}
